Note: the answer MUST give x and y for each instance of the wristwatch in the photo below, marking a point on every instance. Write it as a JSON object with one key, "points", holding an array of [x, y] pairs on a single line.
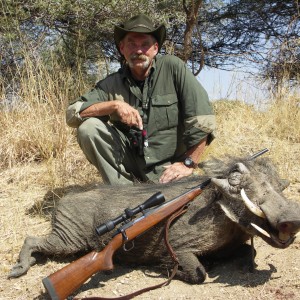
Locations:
{"points": [[188, 162]]}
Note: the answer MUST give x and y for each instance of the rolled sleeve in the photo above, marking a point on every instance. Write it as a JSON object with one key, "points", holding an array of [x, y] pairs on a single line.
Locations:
{"points": [[73, 118], [199, 127], [95, 95]]}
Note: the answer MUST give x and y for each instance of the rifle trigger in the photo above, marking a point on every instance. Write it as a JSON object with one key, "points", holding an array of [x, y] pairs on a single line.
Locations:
{"points": [[128, 249], [125, 237]]}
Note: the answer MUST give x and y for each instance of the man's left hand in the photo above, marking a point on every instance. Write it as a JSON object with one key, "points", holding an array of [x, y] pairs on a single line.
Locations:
{"points": [[174, 172]]}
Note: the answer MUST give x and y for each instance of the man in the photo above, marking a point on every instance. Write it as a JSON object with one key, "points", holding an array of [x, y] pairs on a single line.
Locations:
{"points": [[155, 95]]}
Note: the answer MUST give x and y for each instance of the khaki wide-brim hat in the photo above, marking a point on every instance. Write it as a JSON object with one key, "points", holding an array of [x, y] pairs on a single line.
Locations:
{"points": [[141, 24]]}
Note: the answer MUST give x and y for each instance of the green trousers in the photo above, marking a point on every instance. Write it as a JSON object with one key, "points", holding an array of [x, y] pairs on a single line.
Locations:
{"points": [[109, 150]]}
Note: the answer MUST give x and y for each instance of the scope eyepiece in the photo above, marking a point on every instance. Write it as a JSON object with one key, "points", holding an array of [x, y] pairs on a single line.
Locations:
{"points": [[106, 227]]}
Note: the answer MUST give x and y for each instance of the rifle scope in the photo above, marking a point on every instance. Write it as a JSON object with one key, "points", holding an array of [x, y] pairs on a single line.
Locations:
{"points": [[156, 199]]}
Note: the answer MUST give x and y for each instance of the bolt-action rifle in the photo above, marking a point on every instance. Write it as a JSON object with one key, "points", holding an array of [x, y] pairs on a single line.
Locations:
{"points": [[67, 280]]}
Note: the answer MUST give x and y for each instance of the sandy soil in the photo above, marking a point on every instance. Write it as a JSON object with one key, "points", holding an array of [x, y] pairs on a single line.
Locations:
{"points": [[276, 276]]}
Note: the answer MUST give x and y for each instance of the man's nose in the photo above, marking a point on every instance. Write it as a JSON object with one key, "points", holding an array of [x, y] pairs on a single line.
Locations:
{"points": [[139, 50]]}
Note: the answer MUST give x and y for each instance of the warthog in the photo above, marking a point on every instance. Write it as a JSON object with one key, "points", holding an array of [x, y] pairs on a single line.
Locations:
{"points": [[244, 199]]}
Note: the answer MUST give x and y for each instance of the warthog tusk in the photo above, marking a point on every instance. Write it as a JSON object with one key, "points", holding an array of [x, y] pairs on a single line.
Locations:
{"points": [[251, 206], [260, 230]]}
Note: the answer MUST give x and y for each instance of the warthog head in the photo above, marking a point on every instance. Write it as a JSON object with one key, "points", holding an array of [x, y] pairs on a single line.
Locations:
{"points": [[263, 211]]}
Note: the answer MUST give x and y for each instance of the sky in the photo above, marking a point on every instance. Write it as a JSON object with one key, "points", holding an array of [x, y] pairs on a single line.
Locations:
{"points": [[233, 85]]}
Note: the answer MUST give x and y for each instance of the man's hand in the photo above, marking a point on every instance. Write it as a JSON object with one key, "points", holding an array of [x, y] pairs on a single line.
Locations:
{"points": [[128, 115], [174, 172], [178, 169]]}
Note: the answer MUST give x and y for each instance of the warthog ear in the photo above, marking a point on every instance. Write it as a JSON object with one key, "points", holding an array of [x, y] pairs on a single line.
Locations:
{"points": [[242, 168], [225, 187], [222, 184]]}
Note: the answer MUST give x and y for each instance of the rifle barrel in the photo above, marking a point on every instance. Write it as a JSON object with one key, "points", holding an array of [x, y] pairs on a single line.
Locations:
{"points": [[259, 153]]}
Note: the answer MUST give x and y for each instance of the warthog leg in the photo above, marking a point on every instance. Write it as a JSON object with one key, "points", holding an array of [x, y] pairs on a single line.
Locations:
{"points": [[190, 269], [50, 245], [25, 259]]}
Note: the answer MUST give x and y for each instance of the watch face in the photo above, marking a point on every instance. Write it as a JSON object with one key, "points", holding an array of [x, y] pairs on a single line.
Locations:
{"points": [[188, 162]]}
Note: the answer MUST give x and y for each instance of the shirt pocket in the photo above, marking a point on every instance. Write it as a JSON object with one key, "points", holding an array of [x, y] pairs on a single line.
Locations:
{"points": [[165, 111]]}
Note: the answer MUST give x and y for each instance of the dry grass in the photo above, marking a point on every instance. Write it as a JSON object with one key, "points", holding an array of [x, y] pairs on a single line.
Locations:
{"points": [[33, 128], [244, 129]]}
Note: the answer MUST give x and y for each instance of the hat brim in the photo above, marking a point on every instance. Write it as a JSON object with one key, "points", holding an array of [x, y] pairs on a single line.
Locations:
{"points": [[159, 33]]}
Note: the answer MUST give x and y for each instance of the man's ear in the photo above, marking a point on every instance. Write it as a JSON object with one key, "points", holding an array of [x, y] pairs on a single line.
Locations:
{"points": [[121, 47], [156, 48]]}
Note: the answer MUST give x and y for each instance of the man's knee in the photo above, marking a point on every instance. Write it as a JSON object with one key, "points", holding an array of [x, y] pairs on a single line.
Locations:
{"points": [[89, 129]]}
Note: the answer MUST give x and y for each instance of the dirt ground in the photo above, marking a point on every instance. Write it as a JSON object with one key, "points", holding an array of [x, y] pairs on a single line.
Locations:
{"points": [[277, 275]]}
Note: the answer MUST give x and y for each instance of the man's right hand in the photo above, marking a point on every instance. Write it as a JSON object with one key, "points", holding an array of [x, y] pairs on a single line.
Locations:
{"points": [[127, 114]]}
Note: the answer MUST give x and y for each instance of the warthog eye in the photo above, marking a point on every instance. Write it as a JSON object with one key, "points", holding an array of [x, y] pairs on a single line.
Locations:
{"points": [[235, 178]]}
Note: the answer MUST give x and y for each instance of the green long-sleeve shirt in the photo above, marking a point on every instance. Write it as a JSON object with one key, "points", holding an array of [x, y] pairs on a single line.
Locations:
{"points": [[174, 106]]}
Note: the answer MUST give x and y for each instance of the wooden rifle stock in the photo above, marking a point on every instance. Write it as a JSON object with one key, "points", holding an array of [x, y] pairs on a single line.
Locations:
{"points": [[68, 279]]}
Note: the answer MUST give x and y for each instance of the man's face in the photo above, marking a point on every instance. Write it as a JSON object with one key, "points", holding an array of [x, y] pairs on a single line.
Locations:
{"points": [[139, 49]]}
